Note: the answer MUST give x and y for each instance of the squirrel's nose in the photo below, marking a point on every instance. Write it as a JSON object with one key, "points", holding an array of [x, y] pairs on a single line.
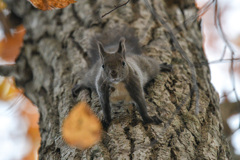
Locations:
{"points": [[113, 73]]}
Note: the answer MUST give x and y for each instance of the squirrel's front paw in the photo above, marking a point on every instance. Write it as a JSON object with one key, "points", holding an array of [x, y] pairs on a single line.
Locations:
{"points": [[153, 119], [105, 124], [166, 67], [156, 120], [75, 90]]}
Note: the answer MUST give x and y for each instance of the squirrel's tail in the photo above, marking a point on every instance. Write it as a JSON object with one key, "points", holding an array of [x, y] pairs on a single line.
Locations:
{"points": [[110, 40]]}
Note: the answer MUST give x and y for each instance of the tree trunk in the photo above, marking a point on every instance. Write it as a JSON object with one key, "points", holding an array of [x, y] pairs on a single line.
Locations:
{"points": [[55, 52]]}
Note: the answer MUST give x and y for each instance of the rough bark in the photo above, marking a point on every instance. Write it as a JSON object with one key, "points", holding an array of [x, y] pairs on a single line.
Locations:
{"points": [[55, 53]]}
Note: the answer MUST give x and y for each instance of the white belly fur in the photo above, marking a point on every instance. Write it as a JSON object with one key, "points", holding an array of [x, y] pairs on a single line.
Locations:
{"points": [[119, 94]]}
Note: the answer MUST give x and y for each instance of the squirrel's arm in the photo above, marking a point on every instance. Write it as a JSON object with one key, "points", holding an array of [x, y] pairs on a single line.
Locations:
{"points": [[136, 92], [103, 93]]}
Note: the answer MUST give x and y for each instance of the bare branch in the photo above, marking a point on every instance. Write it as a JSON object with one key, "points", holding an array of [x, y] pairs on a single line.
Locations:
{"points": [[116, 7], [205, 8], [193, 18], [216, 62], [226, 94], [218, 25], [224, 61], [224, 52]]}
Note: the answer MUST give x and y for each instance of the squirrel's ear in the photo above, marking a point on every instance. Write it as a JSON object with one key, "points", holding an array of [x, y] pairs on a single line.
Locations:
{"points": [[121, 48], [101, 50]]}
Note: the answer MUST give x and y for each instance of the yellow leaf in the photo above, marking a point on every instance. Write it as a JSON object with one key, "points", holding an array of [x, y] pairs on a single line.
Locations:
{"points": [[81, 128], [8, 89]]}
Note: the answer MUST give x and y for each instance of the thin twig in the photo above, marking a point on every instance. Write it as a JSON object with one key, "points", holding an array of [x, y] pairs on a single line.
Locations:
{"points": [[224, 60], [216, 62], [205, 7], [226, 94], [193, 18], [222, 34], [218, 25], [224, 52], [116, 7]]}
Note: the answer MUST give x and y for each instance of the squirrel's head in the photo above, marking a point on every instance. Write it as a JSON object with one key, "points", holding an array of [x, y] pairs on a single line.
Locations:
{"points": [[114, 65]]}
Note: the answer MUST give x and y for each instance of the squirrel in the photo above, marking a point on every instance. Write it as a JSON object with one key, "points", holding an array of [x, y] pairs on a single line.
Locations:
{"points": [[122, 67]]}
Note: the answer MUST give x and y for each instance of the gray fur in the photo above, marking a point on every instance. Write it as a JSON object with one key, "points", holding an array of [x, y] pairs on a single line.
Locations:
{"points": [[134, 70], [110, 39]]}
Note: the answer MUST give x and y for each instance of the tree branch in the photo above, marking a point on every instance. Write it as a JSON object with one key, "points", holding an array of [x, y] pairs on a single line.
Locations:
{"points": [[218, 25], [116, 7]]}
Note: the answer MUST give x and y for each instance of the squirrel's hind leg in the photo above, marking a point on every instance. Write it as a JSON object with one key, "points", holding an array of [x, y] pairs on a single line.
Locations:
{"points": [[136, 92]]}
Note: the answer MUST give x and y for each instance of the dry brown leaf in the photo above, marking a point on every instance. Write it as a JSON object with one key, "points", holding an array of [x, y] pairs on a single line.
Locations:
{"points": [[51, 4], [81, 128], [10, 46]]}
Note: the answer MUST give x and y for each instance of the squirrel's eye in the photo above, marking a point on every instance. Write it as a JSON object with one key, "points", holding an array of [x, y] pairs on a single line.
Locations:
{"points": [[123, 63], [103, 66]]}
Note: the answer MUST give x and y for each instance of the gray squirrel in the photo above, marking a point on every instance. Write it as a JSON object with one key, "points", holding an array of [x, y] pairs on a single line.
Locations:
{"points": [[122, 67]]}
